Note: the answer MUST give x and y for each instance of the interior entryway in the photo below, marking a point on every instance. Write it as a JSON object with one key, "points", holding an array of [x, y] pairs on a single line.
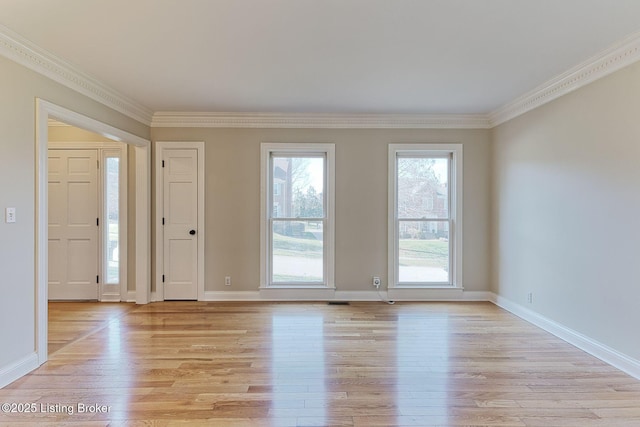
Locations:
{"points": [[139, 237], [180, 216], [87, 207]]}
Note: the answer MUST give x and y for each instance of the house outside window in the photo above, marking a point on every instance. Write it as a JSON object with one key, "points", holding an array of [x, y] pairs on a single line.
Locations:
{"points": [[425, 215], [297, 234]]}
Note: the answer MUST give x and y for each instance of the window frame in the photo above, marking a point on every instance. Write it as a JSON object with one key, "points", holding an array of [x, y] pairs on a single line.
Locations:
{"points": [[106, 155], [454, 153], [268, 151]]}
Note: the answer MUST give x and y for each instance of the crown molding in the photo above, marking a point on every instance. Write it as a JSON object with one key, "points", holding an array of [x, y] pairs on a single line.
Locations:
{"points": [[18, 49], [624, 52], [321, 121]]}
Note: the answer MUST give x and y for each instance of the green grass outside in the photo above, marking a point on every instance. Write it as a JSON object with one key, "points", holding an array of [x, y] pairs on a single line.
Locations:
{"points": [[413, 252], [424, 253], [289, 278], [296, 247]]}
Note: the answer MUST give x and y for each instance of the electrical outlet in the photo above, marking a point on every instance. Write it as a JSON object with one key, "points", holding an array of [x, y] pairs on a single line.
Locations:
{"points": [[10, 215], [227, 280], [530, 297], [376, 281]]}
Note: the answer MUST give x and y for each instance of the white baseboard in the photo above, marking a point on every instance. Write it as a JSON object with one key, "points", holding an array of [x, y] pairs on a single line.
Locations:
{"points": [[360, 296], [477, 296], [606, 354], [293, 295], [131, 296], [232, 296], [425, 294], [279, 294], [12, 372]]}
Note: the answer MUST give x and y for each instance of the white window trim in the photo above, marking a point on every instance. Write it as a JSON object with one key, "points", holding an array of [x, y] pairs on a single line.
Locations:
{"points": [[455, 185], [106, 290], [266, 151]]}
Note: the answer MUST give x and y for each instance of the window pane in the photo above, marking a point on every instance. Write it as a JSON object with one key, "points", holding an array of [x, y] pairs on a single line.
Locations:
{"points": [[297, 187], [297, 251], [423, 187], [423, 252], [112, 194]]}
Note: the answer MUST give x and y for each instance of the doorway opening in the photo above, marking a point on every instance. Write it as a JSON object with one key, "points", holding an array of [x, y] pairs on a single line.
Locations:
{"points": [[139, 229], [88, 216]]}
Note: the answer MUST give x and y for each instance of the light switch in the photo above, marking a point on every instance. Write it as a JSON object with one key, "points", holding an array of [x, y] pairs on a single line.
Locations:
{"points": [[10, 215]]}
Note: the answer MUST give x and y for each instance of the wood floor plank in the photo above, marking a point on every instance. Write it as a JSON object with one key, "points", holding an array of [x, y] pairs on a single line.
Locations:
{"points": [[310, 364]]}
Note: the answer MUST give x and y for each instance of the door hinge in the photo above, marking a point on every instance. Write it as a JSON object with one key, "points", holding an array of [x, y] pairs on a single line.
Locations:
{"points": [[98, 222], [97, 279], [97, 164], [163, 278], [162, 220], [163, 163]]}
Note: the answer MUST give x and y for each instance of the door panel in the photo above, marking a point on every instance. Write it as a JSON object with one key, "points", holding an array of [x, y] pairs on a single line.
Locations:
{"points": [[180, 184], [73, 230]]}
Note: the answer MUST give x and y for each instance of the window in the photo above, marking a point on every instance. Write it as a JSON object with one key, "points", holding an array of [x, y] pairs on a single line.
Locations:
{"points": [[297, 215], [111, 238], [425, 227]]}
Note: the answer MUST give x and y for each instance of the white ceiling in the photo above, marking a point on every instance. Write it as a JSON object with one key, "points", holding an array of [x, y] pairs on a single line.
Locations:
{"points": [[323, 56]]}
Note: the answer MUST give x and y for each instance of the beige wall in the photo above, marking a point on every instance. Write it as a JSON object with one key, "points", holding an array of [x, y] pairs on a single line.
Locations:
{"points": [[74, 134], [19, 88], [566, 203], [232, 246]]}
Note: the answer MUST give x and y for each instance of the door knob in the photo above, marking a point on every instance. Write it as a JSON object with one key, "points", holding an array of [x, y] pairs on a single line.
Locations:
{"points": [[192, 232]]}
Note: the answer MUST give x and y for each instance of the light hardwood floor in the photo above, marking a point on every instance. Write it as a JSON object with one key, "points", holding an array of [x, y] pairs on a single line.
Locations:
{"points": [[310, 364]]}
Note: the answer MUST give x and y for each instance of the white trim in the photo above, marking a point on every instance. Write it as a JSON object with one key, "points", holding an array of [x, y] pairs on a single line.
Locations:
{"points": [[232, 296], [297, 294], [605, 353], [477, 296], [142, 246], [199, 146], [18, 49], [266, 150], [360, 296], [56, 123], [84, 122], [318, 121], [44, 110], [425, 294], [334, 295], [85, 145], [456, 185], [111, 297], [21, 367], [130, 296], [614, 58]]}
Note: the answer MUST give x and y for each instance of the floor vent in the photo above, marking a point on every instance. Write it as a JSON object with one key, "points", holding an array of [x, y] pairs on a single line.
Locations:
{"points": [[338, 303]]}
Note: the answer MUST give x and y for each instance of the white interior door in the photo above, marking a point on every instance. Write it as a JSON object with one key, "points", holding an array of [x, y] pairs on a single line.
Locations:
{"points": [[180, 219], [73, 224]]}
